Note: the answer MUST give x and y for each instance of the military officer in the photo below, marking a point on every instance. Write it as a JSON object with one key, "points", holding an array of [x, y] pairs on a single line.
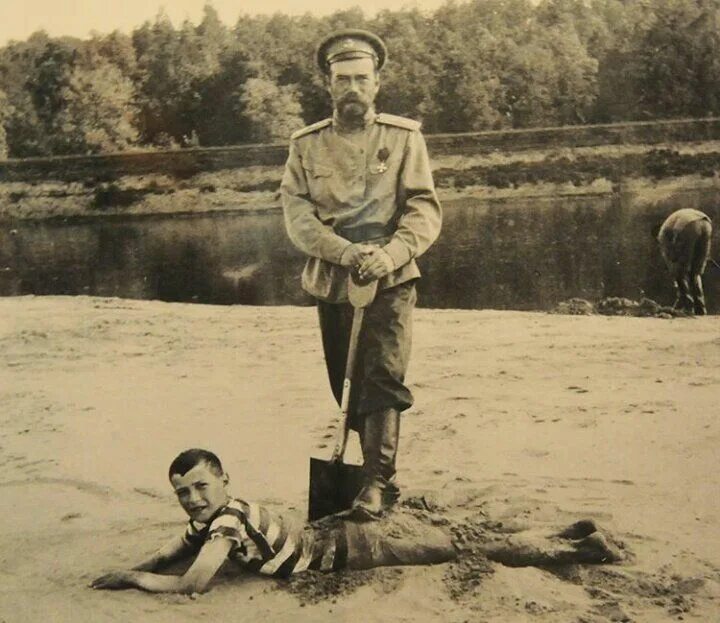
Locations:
{"points": [[684, 240], [358, 195]]}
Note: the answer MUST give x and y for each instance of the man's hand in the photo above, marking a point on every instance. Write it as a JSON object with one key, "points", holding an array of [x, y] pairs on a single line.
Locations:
{"points": [[114, 580], [376, 265], [353, 256]]}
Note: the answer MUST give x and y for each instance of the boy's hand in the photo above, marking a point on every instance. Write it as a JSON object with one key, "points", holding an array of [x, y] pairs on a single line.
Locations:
{"points": [[114, 580]]}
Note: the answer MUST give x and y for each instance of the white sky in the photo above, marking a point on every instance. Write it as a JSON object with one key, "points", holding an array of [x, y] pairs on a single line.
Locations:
{"points": [[20, 18]]}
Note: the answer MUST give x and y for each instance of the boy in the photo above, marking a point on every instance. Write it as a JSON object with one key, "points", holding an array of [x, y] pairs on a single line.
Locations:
{"points": [[222, 527]]}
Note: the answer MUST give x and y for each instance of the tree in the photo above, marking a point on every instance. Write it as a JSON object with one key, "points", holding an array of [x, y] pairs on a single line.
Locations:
{"points": [[272, 111], [51, 62], [25, 134], [219, 122], [165, 79], [281, 49], [5, 113], [677, 60], [178, 71], [98, 115], [410, 76]]}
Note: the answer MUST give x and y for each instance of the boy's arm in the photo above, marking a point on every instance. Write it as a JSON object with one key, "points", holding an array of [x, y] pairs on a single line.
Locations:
{"points": [[194, 580], [172, 551]]}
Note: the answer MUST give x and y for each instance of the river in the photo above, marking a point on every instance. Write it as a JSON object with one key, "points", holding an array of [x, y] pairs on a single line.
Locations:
{"points": [[524, 254]]}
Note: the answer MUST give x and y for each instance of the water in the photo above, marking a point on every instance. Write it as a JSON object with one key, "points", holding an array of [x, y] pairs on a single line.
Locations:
{"points": [[526, 254]]}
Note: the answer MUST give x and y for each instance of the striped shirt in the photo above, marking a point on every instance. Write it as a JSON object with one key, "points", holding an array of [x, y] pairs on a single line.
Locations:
{"points": [[265, 543]]}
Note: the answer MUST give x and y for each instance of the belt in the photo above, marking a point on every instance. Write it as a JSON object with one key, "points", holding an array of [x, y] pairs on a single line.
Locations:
{"points": [[379, 234]]}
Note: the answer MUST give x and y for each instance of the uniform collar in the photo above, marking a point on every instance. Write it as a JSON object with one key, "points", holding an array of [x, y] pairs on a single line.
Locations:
{"points": [[368, 120]]}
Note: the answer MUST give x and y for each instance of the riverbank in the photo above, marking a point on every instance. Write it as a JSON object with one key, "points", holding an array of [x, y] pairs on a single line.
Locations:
{"points": [[521, 418], [494, 176]]}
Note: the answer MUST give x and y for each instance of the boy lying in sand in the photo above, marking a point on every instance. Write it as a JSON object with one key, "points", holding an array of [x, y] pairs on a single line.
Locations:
{"points": [[223, 527]]}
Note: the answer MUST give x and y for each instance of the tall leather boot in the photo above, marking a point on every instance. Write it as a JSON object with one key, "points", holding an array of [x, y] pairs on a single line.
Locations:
{"points": [[379, 441]]}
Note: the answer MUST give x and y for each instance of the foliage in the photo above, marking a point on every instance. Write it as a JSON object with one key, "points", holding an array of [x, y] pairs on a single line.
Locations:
{"points": [[5, 113], [470, 65], [98, 114], [272, 112]]}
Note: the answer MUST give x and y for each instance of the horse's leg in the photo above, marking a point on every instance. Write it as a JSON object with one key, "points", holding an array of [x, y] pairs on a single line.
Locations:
{"points": [[700, 255], [683, 298], [680, 269]]}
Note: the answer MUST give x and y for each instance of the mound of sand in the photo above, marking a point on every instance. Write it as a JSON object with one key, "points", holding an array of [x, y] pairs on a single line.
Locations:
{"points": [[618, 306]]}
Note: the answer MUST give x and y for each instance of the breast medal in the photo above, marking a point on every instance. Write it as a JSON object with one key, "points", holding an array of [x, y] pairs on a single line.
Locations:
{"points": [[382, 155]]}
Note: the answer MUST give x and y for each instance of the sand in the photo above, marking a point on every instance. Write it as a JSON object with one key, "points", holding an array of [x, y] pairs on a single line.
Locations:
{"points": [[521, 420]]}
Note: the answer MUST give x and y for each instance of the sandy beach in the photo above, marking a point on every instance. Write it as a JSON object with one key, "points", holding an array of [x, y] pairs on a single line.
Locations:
{"points": [[521, 419]]}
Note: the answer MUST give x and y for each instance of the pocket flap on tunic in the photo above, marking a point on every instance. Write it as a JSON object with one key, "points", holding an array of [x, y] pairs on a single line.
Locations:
{"points": [[318, 169]]}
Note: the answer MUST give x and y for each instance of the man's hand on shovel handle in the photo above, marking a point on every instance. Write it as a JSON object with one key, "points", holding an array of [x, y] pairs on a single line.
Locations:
{"points": [[376, 265], [354, 255]]}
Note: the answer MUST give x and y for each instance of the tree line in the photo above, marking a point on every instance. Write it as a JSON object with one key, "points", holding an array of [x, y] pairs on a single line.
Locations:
{"points": [[468, 66]]}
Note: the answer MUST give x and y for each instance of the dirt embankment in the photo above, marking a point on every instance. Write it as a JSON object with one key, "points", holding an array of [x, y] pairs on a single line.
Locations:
{"points": [[493, 164]]}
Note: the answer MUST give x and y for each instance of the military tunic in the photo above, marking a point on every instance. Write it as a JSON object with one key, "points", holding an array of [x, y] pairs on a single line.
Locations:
{"points": [[373, 185]]}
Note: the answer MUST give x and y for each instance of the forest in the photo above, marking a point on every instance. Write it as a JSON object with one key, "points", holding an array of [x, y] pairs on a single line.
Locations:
{"points": [[465, 67]]}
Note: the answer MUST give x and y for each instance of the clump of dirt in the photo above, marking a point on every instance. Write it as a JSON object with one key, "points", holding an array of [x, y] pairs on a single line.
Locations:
{"points": [[467, 573], [618, 306], [472, 567], [316, 586], [313, 587], [575, 307], [647, 308]]}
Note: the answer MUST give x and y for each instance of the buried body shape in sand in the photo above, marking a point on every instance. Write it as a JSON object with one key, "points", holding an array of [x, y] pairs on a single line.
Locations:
{"points": [[222, 527]]}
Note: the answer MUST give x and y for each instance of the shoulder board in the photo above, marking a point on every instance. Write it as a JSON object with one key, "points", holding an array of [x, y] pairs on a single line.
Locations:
{"points": [[311, 128], [400, 122]]}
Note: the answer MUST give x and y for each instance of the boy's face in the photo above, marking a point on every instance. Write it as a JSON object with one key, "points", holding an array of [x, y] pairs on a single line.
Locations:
{"points": [[200, 491]]}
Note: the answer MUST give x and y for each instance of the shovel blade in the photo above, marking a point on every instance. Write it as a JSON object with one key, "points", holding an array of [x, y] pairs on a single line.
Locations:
{"points": [[333, 487]]}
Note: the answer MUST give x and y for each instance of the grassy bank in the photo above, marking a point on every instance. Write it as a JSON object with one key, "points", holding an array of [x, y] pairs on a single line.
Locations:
{"points": [[484, 165]]}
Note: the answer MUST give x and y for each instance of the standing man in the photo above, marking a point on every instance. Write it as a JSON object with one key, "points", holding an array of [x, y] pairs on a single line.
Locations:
{"points": [[358, 196], [684, 240]]}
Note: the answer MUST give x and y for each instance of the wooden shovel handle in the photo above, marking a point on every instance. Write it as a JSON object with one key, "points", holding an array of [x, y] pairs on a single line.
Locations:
{"points": [[360, 295], [342, 435]]}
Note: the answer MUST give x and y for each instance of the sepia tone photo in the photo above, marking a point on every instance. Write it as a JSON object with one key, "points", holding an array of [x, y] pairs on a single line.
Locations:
{"points": [[340, 311]]}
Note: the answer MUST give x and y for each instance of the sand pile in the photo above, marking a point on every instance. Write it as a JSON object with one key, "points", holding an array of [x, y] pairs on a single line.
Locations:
{"points": [[618, 306]]}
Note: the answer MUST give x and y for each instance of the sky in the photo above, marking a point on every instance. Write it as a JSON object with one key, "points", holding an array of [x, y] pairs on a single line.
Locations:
{"points": [[20, 18]]}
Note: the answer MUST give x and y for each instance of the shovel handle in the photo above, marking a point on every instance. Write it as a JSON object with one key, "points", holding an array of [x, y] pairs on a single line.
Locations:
{"points": [[342, 435], [360, 295]]}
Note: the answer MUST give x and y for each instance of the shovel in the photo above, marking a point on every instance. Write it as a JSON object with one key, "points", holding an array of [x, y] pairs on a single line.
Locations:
{"points": [[334, 484]]}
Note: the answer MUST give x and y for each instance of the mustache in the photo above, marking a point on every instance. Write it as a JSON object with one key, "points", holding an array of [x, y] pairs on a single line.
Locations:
{"points": [[350, 98]]}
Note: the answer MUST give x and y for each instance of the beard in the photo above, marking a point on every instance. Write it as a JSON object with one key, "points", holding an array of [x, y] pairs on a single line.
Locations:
{"points": [[351, 108]]}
